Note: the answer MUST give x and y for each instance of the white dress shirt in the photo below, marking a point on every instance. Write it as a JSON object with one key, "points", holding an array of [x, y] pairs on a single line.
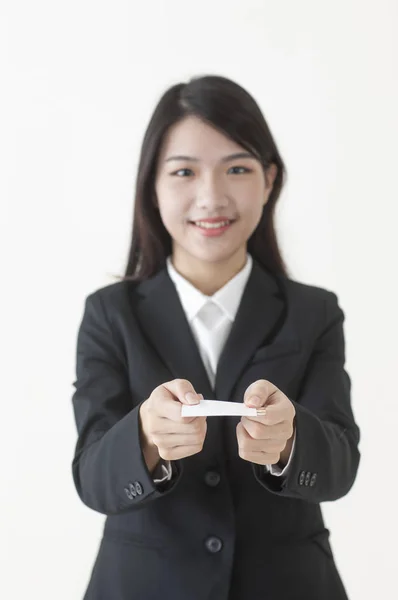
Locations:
{"points": [[228, 299]]}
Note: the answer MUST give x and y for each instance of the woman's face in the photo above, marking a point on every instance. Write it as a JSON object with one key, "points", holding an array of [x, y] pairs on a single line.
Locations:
{"points": [[208, 183]]}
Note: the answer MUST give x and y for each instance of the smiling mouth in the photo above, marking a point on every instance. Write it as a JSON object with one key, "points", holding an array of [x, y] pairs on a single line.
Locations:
{"points": [[212, 226]]}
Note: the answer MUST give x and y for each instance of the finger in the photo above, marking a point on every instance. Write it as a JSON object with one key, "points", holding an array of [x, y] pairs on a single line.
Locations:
{"points": [[182, 390], [273, 416], [168, 408], [260, 458], [260, 431], [174, 440], [179, 452], [171, 411], [279, 409], [185, 426], [260, 445], [258, 393], [264, 446], [264, 451]]}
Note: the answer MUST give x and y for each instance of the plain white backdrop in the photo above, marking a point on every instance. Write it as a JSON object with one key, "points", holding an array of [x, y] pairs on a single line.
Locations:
{"points": [[79, 83]]}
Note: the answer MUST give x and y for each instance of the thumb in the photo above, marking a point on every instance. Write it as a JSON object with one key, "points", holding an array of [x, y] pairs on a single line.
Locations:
{"points": [[191, 396], [254, 401], [258, 393]]}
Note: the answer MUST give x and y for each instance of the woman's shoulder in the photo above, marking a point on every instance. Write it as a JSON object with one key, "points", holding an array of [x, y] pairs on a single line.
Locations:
{"points": [[114, 289], [306, 292], [113, 296], [311, 303]]}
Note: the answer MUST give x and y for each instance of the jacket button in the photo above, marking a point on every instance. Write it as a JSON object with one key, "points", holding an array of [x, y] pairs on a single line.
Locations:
{"points": [[133, 491], [213, 544], [138, 488], [212, 478], [313, 480], [307, 478], [301, 478], [128, 493]]}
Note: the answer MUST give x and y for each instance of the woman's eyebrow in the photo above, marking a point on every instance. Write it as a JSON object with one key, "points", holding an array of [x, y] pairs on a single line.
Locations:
{"points": [[224, 159]]}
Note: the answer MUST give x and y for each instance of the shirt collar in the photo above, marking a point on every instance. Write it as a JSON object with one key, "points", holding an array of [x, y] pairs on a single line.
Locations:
{"points": [[227, 298]]}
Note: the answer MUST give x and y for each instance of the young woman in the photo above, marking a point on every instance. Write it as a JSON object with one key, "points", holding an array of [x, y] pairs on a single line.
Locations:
{"points": [[211, 507]]}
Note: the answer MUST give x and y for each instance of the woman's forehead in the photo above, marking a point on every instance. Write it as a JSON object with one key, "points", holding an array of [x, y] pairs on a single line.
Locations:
{"points": [[192, 139]]}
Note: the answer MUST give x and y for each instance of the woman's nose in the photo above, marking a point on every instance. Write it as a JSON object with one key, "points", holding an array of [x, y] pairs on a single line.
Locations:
{"points": [[211, 193]]}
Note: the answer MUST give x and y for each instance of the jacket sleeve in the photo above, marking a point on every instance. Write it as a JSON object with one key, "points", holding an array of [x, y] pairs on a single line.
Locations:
{"points": [[326, 456], [108, 468]]}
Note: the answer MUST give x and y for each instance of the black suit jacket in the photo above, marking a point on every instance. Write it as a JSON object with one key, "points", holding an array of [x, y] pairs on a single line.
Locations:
{"points": [[222, 529]]}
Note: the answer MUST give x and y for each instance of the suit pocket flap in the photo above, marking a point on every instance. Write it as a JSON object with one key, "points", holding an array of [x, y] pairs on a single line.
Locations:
{"points": [[277, 349], [135, 539]]}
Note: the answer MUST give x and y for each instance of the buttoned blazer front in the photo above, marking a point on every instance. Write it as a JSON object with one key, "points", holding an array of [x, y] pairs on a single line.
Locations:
{"points": [[222, 528]]}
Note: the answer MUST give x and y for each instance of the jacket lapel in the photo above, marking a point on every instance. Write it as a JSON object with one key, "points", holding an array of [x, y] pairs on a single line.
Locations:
{"points": [[257, 319], [163, 320]]}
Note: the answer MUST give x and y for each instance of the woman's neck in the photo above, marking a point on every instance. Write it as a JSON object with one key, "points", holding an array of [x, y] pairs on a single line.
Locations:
{"points": [[209, 277]]}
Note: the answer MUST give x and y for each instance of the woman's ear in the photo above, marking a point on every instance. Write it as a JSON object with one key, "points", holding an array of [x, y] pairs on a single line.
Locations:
{"points": [[270, 175]]}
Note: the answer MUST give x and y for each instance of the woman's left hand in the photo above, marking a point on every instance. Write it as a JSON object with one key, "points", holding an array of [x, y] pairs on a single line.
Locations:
{"points": [[267, 439]]}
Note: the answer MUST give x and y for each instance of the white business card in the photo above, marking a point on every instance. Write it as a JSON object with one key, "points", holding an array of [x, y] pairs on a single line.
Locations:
{"points": [[213, 408]]}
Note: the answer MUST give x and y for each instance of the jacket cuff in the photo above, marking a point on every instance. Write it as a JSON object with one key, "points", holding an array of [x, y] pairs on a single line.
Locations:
{"points": [[277, 470], [163, 471]]}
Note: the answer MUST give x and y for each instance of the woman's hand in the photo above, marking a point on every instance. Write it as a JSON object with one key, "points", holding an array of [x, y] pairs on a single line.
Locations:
{"points": [[267, 439], [164, 430]]}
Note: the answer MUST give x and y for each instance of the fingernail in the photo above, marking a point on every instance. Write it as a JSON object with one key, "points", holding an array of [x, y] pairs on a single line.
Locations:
{"points": [[255, 400], [191, 398]]}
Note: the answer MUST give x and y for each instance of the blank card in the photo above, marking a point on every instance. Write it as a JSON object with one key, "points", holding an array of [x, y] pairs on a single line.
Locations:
{"points": [[213, 408]]}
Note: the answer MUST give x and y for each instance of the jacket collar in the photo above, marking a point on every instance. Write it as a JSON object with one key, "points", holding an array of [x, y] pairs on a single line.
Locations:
{"points": [[227, 298]]}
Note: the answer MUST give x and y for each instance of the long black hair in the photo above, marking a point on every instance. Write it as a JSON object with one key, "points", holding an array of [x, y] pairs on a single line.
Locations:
{"points": [[228, 107]]}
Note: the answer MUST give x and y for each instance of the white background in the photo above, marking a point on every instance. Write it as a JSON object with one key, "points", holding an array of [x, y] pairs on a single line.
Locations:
{"points": [[79, 83]]}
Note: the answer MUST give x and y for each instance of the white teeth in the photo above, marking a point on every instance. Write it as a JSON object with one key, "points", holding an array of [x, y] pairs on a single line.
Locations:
{"points": [[212, 225]]}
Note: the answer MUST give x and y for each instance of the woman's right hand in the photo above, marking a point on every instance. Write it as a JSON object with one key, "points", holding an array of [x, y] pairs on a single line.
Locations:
{"points": [[164, 428]]}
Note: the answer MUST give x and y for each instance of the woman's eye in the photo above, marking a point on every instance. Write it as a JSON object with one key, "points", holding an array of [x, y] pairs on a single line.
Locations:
{"points": [[179, 171], [244, 169]]}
